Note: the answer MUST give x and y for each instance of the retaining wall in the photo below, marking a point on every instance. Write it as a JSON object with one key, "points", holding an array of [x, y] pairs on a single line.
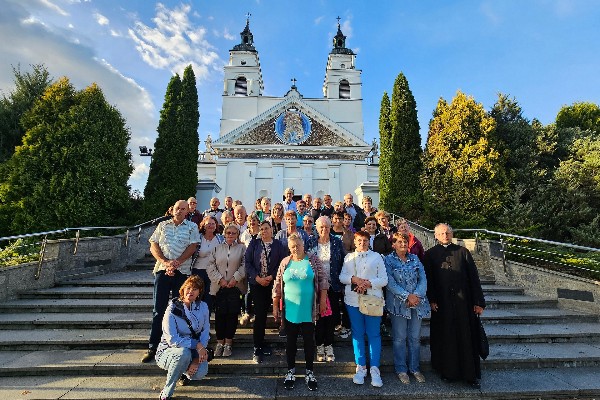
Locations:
{"points": [[67, 259]]}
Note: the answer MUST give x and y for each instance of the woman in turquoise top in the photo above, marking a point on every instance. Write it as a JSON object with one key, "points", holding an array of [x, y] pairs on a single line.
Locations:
{"points": [[299, 282]]}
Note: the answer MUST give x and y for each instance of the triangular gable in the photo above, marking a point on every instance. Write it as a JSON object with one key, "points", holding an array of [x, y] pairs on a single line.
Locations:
{"points": [[260, 129]]}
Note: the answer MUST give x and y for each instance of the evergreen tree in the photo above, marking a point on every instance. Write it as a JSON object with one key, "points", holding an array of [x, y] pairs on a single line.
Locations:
{"points": [[463, 180], [404, 190], [29, 86], [585, 116], [73, 166], [385, 167], [163, 185], [188, 117]]}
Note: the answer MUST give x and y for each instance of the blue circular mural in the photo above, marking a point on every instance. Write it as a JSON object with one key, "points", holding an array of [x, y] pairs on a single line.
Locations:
{"points": [[292, 127]]}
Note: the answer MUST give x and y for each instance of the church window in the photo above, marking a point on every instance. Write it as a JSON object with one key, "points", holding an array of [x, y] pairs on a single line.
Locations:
{"points": [[241, 86], [344, 89]]}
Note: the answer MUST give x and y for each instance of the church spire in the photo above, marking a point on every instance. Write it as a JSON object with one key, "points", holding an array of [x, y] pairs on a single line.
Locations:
{"points": [[247, 43], [339, 42]]}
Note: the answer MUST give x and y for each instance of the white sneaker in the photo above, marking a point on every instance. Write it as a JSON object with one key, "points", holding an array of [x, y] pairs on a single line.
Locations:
{"points": [[361, 373], [320, 353], [345, 333], [329, 356], [376, 377]]}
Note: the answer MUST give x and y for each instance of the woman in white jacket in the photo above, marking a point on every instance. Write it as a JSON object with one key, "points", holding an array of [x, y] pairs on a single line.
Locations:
{"points": [[364, 273]]}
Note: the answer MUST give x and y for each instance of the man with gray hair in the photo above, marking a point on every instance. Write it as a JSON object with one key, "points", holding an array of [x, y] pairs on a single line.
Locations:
{"points": [[289, 203], [172, 244], [456, 300]]}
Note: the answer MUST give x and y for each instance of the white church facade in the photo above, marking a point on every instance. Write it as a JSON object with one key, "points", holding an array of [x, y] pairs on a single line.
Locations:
{"points": [[267, 144]]}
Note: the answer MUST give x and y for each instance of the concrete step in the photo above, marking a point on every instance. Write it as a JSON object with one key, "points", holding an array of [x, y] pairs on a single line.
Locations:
{"points": [[126, 362], [141, 320], [547, 383], [107, 339]]}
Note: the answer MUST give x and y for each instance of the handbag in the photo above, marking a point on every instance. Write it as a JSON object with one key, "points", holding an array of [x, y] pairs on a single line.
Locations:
{"points": [[484, 346], [178, 311], [370, 305]]}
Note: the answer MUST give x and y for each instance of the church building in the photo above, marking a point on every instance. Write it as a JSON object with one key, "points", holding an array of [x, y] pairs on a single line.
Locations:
{"points": [[267, 144]]}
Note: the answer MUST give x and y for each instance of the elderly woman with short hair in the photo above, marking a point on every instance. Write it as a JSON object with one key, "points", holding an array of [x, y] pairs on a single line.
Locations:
{"points": [[407, 304], [186, 328], [227, 271], [364, 273], [209, 239], [302, 286], [330, 251]]}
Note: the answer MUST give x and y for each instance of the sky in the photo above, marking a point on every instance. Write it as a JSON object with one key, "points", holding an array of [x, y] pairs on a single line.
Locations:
{"points": [[544, 53]]}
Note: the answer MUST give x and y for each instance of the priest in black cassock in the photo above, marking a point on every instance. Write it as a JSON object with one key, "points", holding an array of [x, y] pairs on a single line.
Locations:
{"points": [[456, 298]]}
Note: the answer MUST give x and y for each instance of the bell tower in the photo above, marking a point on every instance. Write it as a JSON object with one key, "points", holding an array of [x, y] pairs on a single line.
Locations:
{"points": [[243, 76], [342, 80]]}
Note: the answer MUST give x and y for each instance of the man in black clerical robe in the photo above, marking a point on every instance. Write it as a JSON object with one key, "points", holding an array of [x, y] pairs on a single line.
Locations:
{"points": [[456, 298]]}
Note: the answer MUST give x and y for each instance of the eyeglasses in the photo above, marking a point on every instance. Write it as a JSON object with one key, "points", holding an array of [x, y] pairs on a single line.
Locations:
{"points": [[231, 233]]}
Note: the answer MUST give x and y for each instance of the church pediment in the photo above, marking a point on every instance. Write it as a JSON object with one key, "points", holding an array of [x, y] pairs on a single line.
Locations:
{"points": [[272, 132]]}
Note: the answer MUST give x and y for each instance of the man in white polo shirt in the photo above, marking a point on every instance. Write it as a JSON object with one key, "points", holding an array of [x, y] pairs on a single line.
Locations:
{"points": [[172, 244]]}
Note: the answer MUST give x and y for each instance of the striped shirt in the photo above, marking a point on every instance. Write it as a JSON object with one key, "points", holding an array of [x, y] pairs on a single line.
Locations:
{"points": [[173, 240]]}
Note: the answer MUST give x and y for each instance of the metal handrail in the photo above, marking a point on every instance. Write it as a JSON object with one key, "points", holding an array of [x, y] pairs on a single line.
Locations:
{"points": [[505, 245]]}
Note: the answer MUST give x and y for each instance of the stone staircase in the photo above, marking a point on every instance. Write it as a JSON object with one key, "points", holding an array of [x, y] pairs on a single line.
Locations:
{"points": [[84, 339]]}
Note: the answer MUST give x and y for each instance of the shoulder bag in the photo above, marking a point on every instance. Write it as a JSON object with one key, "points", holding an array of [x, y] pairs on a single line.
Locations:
{"points": [[368, 304]]}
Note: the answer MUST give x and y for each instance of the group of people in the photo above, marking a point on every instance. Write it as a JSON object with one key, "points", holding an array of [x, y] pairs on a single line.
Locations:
{"points": [[323, 269]]}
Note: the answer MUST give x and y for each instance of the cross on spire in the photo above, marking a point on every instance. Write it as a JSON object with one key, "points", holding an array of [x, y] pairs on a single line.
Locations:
{"points": [[248, 15], [338, 19]]}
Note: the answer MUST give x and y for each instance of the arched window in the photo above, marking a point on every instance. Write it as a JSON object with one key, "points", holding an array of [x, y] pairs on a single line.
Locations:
{"points": [[241, 86], [344, 89]]}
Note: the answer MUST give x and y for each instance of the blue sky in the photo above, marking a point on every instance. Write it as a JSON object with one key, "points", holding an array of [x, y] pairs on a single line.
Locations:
{"points": [[545, 53]]}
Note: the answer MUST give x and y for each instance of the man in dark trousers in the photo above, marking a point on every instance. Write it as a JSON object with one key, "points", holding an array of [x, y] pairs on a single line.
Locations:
{"points": [[456, 298]]}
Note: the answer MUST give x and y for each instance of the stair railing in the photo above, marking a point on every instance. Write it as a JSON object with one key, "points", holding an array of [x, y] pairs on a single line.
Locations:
{"points": [[568, 258], [29, 247]]}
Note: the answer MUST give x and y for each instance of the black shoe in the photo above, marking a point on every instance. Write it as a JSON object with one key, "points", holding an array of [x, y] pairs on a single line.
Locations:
{"points": [[476, 384], [258, 355], [290, 380], [184, 380], [282, 333], [311, 381], [149, 356]]}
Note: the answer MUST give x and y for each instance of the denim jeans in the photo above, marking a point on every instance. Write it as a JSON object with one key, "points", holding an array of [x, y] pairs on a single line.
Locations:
{"points": [[176, 360], [165, 288], [362, 324], [406, 332]]}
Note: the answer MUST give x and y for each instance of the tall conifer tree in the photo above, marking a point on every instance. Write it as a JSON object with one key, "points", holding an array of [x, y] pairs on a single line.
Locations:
{"points": [[188, 117], [163, 186], [385, 170], [404, 191]]}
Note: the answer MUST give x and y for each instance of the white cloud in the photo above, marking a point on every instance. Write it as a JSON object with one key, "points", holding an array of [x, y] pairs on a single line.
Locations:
{"points": [[347, 28], [228, 35], [487, 9], [115, 33], [27, 41], [140, 171], [54, 7], [175, 42], [318, 20], [101, 19], [70, 26]]}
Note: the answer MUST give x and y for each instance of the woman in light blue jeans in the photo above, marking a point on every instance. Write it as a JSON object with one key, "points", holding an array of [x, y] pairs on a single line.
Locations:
{"points": [[407, 304], [182, 349], [363, 272]]}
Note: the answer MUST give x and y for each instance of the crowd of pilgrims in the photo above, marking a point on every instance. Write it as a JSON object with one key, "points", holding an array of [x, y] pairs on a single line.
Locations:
{"points": [[308, 262]]}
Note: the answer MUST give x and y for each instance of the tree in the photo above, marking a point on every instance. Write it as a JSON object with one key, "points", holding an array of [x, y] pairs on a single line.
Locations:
{"points": [[188, 117], [583, 115], [29, 86], [385, 168], [174, 166], [463, 180], [162, 187], [569, 205], [404, 188], [73, 166]]}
